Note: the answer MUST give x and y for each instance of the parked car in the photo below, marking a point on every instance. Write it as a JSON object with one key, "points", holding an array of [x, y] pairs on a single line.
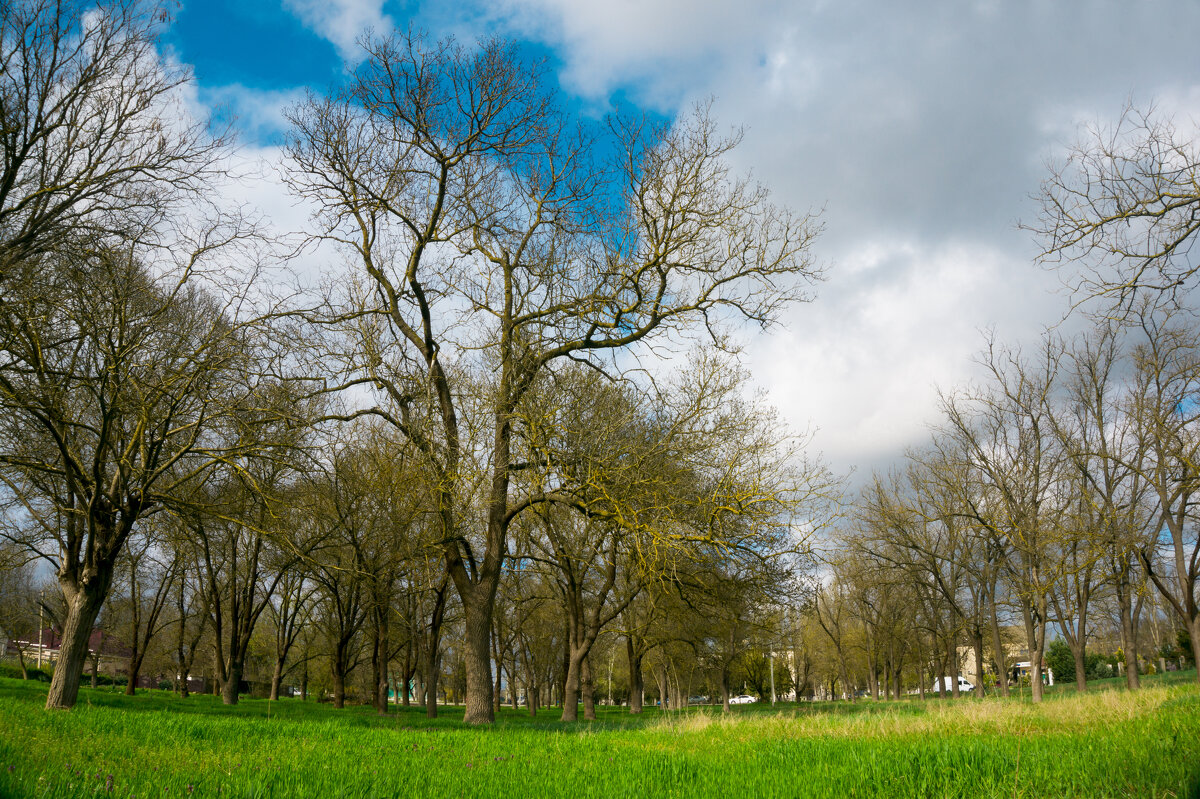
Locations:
{"points": [[742, 700], [697, 700], [948, 682]]}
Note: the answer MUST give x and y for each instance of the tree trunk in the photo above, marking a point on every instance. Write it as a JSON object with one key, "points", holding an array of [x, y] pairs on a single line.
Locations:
{"points": [[276, 679], [636, 687], [233, 680], [338, 667], [379, 660], [477, 639], [406, 674], [512, 683], [952, 657], [83, 606], [998, 648], [977, 646], [1035, 633], [496, 689], [725, 691], [1128, 644], [430, 684], [1080, 655], [135, 668], [1196, 645], [846, 687], [571, 686], [921, 661], [589, 691]]}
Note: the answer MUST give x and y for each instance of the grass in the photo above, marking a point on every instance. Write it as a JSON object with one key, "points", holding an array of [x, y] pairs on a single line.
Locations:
{"points": [[1104, 743]]}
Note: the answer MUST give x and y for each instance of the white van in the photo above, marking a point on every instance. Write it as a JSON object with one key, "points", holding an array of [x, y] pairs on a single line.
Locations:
{"points": [[948, 683]]}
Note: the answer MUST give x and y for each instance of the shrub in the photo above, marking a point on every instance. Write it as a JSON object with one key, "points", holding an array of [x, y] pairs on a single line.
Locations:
{"points": [[13, 671], [1060, 660]]}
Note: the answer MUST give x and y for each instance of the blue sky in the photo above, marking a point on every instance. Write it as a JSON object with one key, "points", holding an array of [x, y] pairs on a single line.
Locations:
{"points": [[275, 48], [255, 44], [921, 128]]}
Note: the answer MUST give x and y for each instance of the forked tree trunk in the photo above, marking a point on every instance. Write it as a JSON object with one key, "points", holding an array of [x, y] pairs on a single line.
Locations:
{"points": [[1128, 645], [1035, 632], [998, 648]]}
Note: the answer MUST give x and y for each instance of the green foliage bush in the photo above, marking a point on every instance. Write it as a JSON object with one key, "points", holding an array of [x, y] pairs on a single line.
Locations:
{"points": [[12, 670], [1060, 659], [1183, 639]]}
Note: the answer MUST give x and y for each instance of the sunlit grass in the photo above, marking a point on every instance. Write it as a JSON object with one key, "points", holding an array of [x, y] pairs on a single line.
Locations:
{"points": [[1106, 743]]}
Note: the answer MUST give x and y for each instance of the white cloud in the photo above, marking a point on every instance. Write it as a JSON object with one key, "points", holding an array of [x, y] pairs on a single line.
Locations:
{"points": [[259, 114], [897, 321], [342, 21]]}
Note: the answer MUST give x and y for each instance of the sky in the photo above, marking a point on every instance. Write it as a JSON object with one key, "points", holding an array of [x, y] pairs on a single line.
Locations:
{"points": [[920, 130]]}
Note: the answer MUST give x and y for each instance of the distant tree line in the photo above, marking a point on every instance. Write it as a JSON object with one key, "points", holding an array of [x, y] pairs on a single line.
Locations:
{"points": [[1056, 501]]}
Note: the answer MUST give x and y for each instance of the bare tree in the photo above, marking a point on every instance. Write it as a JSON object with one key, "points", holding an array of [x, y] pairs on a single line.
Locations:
{"points": [[1126, 205], [474, 209], [146, 575], [290, 611], [1007, 437], [1165, 415], [119, 383], [18, 603], [94, 144]]}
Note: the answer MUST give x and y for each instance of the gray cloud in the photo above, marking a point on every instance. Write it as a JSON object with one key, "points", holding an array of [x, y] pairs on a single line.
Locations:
{"points": [[921, 128]]}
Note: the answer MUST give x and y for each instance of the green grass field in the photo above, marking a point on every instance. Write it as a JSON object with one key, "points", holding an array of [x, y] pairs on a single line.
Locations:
{"points": [[1106, 743]]}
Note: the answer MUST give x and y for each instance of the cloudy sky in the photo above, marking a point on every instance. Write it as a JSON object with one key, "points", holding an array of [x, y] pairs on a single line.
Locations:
{"points": [[921, 128]]}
